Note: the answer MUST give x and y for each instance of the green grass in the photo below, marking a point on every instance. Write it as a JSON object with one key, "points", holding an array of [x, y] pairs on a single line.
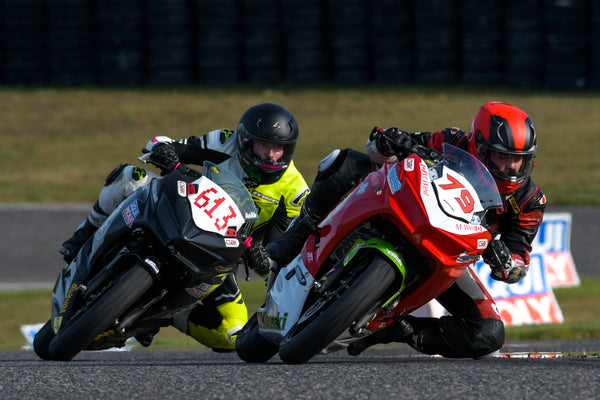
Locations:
{"points": [[578, 306], [58, 145]]}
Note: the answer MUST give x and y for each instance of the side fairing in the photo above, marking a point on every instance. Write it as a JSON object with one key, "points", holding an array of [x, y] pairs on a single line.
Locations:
{"points": [[376, 195], [424, 209]]}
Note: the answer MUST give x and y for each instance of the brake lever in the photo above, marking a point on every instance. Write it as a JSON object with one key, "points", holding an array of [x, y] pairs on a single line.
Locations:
{"points": [[145, 158]]}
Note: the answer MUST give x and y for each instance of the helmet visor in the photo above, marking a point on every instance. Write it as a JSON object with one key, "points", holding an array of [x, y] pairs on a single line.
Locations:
{"points": [[511, 167], [267, 150]]}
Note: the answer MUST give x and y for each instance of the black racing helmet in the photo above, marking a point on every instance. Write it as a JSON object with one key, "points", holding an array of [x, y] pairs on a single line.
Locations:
{"points": [[271, 123]]}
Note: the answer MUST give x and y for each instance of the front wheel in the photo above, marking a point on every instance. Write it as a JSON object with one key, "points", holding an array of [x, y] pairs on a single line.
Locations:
{"points": [[251, 346], [42, 339], [337, 309], [83, 328]]}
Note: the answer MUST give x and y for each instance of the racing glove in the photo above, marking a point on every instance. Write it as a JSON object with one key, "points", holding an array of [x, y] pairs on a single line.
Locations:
{"points": [[256, 257], [504, 267], [164, 156], [453, 135], [392, 141]]}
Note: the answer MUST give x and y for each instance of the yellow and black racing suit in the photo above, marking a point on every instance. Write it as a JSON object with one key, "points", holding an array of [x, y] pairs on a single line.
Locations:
{"points": [[217, 317]]}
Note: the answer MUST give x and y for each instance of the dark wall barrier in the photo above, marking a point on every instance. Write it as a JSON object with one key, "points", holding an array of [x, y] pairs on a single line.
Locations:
{"points": [[533, 43]]}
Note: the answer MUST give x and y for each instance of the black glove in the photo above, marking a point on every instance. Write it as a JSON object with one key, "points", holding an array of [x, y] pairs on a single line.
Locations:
{"points": [[504, 267], [164, 156], [453, 133], [257, 258], [394, 141]]}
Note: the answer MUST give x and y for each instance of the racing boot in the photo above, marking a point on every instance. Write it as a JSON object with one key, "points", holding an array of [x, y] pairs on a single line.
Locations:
{"points": [[398, 331], [285, 248], [71, 246]]}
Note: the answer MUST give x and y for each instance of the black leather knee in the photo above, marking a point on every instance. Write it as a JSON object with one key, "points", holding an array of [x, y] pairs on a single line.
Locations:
{"points": [[455, 337]]}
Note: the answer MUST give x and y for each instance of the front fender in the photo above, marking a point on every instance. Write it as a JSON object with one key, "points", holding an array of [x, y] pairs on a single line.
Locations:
{"points": [[385, 248]]}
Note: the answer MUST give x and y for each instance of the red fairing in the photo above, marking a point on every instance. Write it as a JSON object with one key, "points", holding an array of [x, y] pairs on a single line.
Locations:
{"points": [[399, 191]]}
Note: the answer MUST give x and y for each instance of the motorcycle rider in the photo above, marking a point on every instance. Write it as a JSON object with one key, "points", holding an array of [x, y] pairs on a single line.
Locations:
{"points": [[260, 153], [504, 138]]}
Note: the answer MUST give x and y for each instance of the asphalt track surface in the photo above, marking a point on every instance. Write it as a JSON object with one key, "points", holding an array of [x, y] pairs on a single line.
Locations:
{"points": [[377, 374], [30, 235]]}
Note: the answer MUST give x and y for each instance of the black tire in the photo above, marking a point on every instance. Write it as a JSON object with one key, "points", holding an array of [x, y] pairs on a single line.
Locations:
{"points": [[41, 341], [82, 330], [251, 347], [347, 303]]}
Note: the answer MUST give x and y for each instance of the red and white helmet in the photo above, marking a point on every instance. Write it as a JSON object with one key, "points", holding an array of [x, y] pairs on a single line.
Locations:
{"points": [[505, 129]]}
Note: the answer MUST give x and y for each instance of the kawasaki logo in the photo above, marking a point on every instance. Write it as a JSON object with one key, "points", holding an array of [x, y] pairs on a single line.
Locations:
{"points": [[275, 321]]}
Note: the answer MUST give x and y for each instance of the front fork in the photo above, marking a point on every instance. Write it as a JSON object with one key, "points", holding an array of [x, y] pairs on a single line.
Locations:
{"points": [[388, 250]]}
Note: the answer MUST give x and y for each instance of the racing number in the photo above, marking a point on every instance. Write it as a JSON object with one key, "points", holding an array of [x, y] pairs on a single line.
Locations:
{"points": [[465, 201], [202, 202]]}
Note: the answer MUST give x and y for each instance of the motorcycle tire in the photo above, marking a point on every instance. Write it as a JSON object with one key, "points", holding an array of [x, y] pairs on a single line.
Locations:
{"points": [[84, 328], [41, 341], [251, 347], [347, 302]]}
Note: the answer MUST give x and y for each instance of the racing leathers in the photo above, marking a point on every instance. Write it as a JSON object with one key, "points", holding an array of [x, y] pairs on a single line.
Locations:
{"points": [[474, 329], [518, 221], [214, 319]]}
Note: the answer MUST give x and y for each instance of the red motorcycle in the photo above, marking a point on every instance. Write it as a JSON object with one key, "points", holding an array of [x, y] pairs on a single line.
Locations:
{"points": [[396, 241]]}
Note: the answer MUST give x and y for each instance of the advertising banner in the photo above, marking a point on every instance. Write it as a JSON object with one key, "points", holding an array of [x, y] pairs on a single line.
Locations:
{"points": [[553, 243], [532, 301]]}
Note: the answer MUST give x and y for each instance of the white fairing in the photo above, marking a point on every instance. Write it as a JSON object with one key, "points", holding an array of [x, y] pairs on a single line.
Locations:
{"points": [[456, 204], [212, 208], [285, 300]]}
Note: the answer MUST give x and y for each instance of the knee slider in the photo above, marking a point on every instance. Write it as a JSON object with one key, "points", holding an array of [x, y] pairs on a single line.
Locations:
{"points": [[348, 166], [328, 161], [331, 164], [341, 171]]}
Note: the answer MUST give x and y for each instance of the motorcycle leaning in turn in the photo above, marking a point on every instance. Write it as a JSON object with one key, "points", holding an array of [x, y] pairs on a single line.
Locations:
{"points": [[396, 241], [169, 244]]}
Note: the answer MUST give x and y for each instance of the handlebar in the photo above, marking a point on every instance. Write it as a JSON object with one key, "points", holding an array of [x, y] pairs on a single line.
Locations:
{"points": [[426, 153], [183, 169]]}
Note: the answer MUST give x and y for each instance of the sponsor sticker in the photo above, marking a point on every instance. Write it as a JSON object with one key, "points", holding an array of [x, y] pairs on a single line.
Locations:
{"points": [[229, 242], [182, 188], [130, 213], [199, 291], [393, 180]]}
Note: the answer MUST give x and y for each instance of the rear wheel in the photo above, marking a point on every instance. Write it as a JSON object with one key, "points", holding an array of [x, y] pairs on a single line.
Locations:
{"points": [[334, 312], [251, 346], [83, 328]]}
